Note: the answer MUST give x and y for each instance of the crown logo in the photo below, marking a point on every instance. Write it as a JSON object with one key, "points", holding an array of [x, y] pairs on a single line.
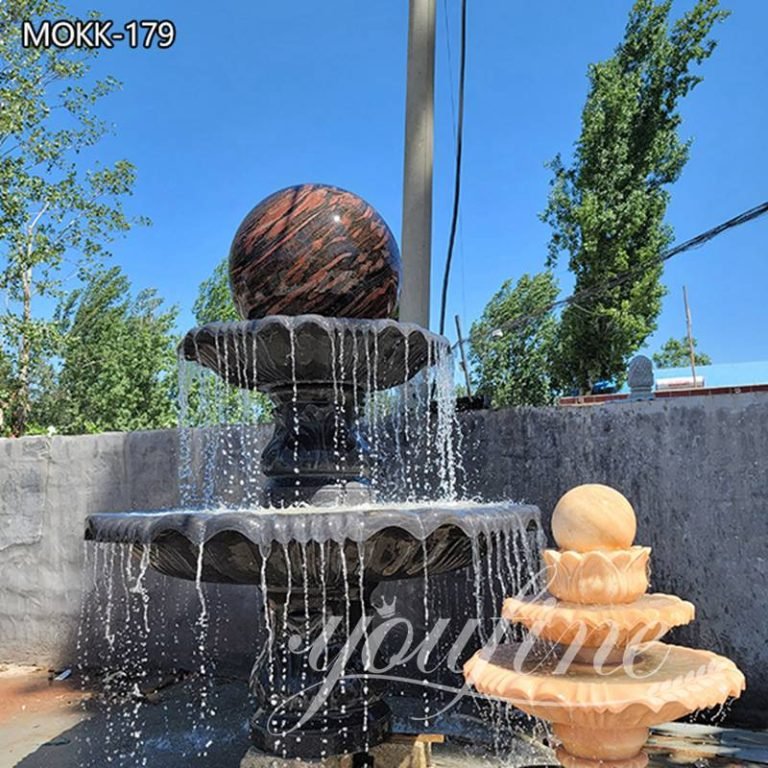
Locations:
{"points": [[384, 609]]}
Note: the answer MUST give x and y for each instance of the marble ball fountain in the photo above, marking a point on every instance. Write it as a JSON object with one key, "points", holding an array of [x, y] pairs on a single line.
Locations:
{"points": [[315, 276], [594, 665]]}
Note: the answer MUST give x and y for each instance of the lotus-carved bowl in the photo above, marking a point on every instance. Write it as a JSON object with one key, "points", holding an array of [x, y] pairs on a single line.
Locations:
{"points": [[309, 349], [601, 577]]}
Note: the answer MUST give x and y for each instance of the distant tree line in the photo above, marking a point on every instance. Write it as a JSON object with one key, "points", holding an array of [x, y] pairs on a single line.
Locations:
{"points": [[676, 353], [97, 356], [82, 351], [606, 211]]}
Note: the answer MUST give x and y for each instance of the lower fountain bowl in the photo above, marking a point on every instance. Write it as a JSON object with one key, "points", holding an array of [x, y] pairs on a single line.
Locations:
{"points": [[310, 563], [322, 550], [601, 716]]}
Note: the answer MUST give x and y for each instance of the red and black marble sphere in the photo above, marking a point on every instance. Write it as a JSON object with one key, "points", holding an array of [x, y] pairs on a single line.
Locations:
{"points": [[314, 249]]}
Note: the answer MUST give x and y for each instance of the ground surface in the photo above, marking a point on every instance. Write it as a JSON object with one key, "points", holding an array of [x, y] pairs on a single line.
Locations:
{"points": [[45, 724]]}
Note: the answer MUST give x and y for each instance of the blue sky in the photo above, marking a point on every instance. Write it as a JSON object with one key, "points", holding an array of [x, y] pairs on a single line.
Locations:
{"points": [[257, 95]]}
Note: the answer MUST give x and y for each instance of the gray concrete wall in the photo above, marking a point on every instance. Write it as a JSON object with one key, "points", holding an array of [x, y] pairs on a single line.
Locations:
{"points": [[48, 486], [696, 470]]}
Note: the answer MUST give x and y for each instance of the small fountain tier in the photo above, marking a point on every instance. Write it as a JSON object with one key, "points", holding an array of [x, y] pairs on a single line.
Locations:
{"points": [[323, 534], [593, 664], [319, 373]]}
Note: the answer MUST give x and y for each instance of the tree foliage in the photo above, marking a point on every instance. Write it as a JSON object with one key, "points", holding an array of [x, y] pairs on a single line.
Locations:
{"points": [[210, 401], [675, 353], [56, 210], [214, 298], [513, 344], [6, 390], [118, 358], [607, 208]]}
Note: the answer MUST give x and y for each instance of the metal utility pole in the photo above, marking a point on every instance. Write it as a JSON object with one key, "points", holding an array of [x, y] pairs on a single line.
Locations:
{"points": [[689, 325], [416, 240], [463, 357]]}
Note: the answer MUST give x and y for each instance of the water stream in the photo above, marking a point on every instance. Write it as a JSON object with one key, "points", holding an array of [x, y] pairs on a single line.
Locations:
{"points": [[406, 441]]}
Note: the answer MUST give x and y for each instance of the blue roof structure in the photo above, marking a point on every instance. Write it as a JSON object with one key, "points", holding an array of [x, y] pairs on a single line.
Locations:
{"points": [[718, 374]]}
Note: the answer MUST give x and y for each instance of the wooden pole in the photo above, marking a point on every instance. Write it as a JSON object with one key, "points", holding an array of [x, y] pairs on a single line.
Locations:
{"points": [[689, 326], [463, 356]]}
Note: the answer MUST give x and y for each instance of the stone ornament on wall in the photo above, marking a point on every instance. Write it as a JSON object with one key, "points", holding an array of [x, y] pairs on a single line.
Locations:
{"points": [[640, 378]]}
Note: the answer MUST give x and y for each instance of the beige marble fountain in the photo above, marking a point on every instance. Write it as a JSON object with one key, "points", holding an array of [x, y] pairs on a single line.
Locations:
{"points": [[593, 665]]}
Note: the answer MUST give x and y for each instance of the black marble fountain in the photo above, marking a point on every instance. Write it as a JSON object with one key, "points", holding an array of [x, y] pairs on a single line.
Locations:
{"points": [[315, 275]]}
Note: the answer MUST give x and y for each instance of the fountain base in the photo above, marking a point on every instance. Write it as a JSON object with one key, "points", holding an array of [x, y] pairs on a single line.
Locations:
{"points": [[567, 760], [256, 759], [414, 753], [604, 744], [332, 734]]}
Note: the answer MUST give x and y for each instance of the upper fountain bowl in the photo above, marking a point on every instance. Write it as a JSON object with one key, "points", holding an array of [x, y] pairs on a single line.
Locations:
{"points": [[317, 249]]}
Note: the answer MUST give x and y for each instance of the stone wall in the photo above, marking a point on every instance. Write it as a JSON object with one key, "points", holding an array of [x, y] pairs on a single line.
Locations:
{"points": [[696, 470], [48, 486]]}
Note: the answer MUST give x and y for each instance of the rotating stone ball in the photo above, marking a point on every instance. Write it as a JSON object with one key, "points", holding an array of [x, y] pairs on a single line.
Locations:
{"points": [[314, 249], [591, 517]]}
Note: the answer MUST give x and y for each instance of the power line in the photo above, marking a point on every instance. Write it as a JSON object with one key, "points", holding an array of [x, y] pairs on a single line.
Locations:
{"points": [[622, 277], [450, 66], [460, 235], [457, 181]]}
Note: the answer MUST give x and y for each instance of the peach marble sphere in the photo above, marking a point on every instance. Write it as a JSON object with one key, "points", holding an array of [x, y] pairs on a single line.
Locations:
{"points": [[591, 517]]}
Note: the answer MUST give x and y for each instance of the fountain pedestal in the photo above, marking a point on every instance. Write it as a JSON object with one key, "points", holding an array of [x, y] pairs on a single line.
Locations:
{"points": [[386, 755], [614, 744], [312, 697], [317, 454]]}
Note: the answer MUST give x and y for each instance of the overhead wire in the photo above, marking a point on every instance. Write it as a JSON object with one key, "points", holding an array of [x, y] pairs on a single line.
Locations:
{"points": [[457, 173], [449, 56], [638, 270]]}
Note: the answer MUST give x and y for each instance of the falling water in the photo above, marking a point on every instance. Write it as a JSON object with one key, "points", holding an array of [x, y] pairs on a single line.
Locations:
{"points": [[219, 443], [267, 615], [205, 710], [365, 656], [427, 603], [415, 422]]}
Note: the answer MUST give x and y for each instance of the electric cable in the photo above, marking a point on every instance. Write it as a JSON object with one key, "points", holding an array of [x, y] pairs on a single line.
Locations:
{"points": [[622, 277], [457, 176]]}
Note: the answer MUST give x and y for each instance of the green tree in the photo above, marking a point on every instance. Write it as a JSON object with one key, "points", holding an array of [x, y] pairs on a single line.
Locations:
{"points": [[55, 205], [513, 343], [675, 353], [209, 400], [6, 391], [214, 298], [118, 359], [607, 208]]}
